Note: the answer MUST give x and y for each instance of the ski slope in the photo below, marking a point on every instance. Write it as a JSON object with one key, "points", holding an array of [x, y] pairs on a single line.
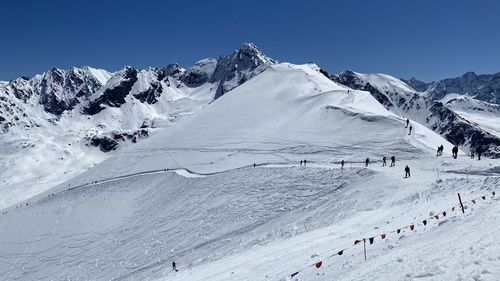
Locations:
{"points": [[286, 114], [191, 193]]}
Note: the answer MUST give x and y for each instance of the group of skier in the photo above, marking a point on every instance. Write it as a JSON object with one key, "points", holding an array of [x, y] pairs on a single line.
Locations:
{"points": [[454, 152], [393, 161]]}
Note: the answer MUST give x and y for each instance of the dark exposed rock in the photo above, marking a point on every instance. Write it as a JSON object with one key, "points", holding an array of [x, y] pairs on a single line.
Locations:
{"points": [[113, 97], [134, 136], [151, 95], [199, 73], [238, 68], [104, 143], [485, 87]]}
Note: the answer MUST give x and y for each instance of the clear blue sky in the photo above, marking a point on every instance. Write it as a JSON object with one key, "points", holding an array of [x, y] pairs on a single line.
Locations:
{"points": [[428, 39]]}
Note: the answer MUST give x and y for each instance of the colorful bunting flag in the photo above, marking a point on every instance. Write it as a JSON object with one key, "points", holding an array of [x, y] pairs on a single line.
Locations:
{"points": [[473, 201], [382, 236], [444, 214], [340, 253], [398, 231], [294, 274], [436, 217], [318, 264], [425, 222], [484, 197], [453, 209], [412, 226], [371, 239], [493, 193], [356, 242]]}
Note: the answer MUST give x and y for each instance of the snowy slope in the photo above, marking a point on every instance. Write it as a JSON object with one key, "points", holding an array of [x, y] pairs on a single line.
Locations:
{"points": [[461, 121], [238, 223], [292, 109], [485, 115], [58, 124]]}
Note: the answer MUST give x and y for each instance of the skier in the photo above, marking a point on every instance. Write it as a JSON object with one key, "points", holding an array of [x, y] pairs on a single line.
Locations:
{"points": [[438, 150], [254, 164], [393, 161], [305, 162], [409, 133], [300, 162], [441, 149], [407, 171], [454, 152], [384, 161], [342, 164], [478, 151], [407, 122], [174, 266], [367, 161], [471, 154]]}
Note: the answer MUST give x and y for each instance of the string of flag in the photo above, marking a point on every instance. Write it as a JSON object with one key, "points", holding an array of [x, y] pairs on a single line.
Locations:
{"points": [[371, 240]]}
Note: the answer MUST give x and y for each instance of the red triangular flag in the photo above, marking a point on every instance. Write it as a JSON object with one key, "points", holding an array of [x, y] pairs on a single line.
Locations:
{"points": [[436, 217], [382, 236], [356, 242], [493, 193], [453, 209], [318, 264], [412, 226], [473, 201]]}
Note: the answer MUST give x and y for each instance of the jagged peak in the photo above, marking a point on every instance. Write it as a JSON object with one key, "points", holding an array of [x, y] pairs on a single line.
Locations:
{"points": [[251, 50]]}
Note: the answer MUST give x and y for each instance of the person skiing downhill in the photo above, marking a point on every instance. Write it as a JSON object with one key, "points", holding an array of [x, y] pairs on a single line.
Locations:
{"points": [[407, 171], [305, 162], [409, 133], [174, 266], [342, 164], [393, 161], [367, 161], [384, 161], [478, 151], [300, 162], [407, 122]]}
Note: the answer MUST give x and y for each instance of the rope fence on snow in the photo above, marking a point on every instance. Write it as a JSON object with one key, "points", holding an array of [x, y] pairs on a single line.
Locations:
{"points": [[411, 227]]}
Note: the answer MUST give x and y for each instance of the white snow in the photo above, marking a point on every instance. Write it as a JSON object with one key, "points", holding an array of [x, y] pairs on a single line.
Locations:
{"points": [[201, 202]]}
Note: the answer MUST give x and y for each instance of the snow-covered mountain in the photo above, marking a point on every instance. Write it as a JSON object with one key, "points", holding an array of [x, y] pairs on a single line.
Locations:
{"points": [[462, 120], [484, 87], [226, 205], [219, 186], [59, 116]]}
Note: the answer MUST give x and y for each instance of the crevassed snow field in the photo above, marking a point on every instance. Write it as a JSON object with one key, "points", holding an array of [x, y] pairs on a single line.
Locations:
{"points": [[220, 218]]}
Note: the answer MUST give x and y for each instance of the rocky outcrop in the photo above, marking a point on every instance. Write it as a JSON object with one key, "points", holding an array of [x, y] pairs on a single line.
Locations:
{"points": [[113, 96]]}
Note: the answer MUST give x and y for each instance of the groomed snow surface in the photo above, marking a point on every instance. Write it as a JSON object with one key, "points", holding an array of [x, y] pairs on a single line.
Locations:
{"points": [[191, 193]]}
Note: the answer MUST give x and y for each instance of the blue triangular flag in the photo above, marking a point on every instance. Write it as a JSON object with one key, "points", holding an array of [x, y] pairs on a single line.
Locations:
{"points": [[293, 274], [444, 214], [371, 240], [484, 197], [399, 231], [340, 253], [425, 222]]}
